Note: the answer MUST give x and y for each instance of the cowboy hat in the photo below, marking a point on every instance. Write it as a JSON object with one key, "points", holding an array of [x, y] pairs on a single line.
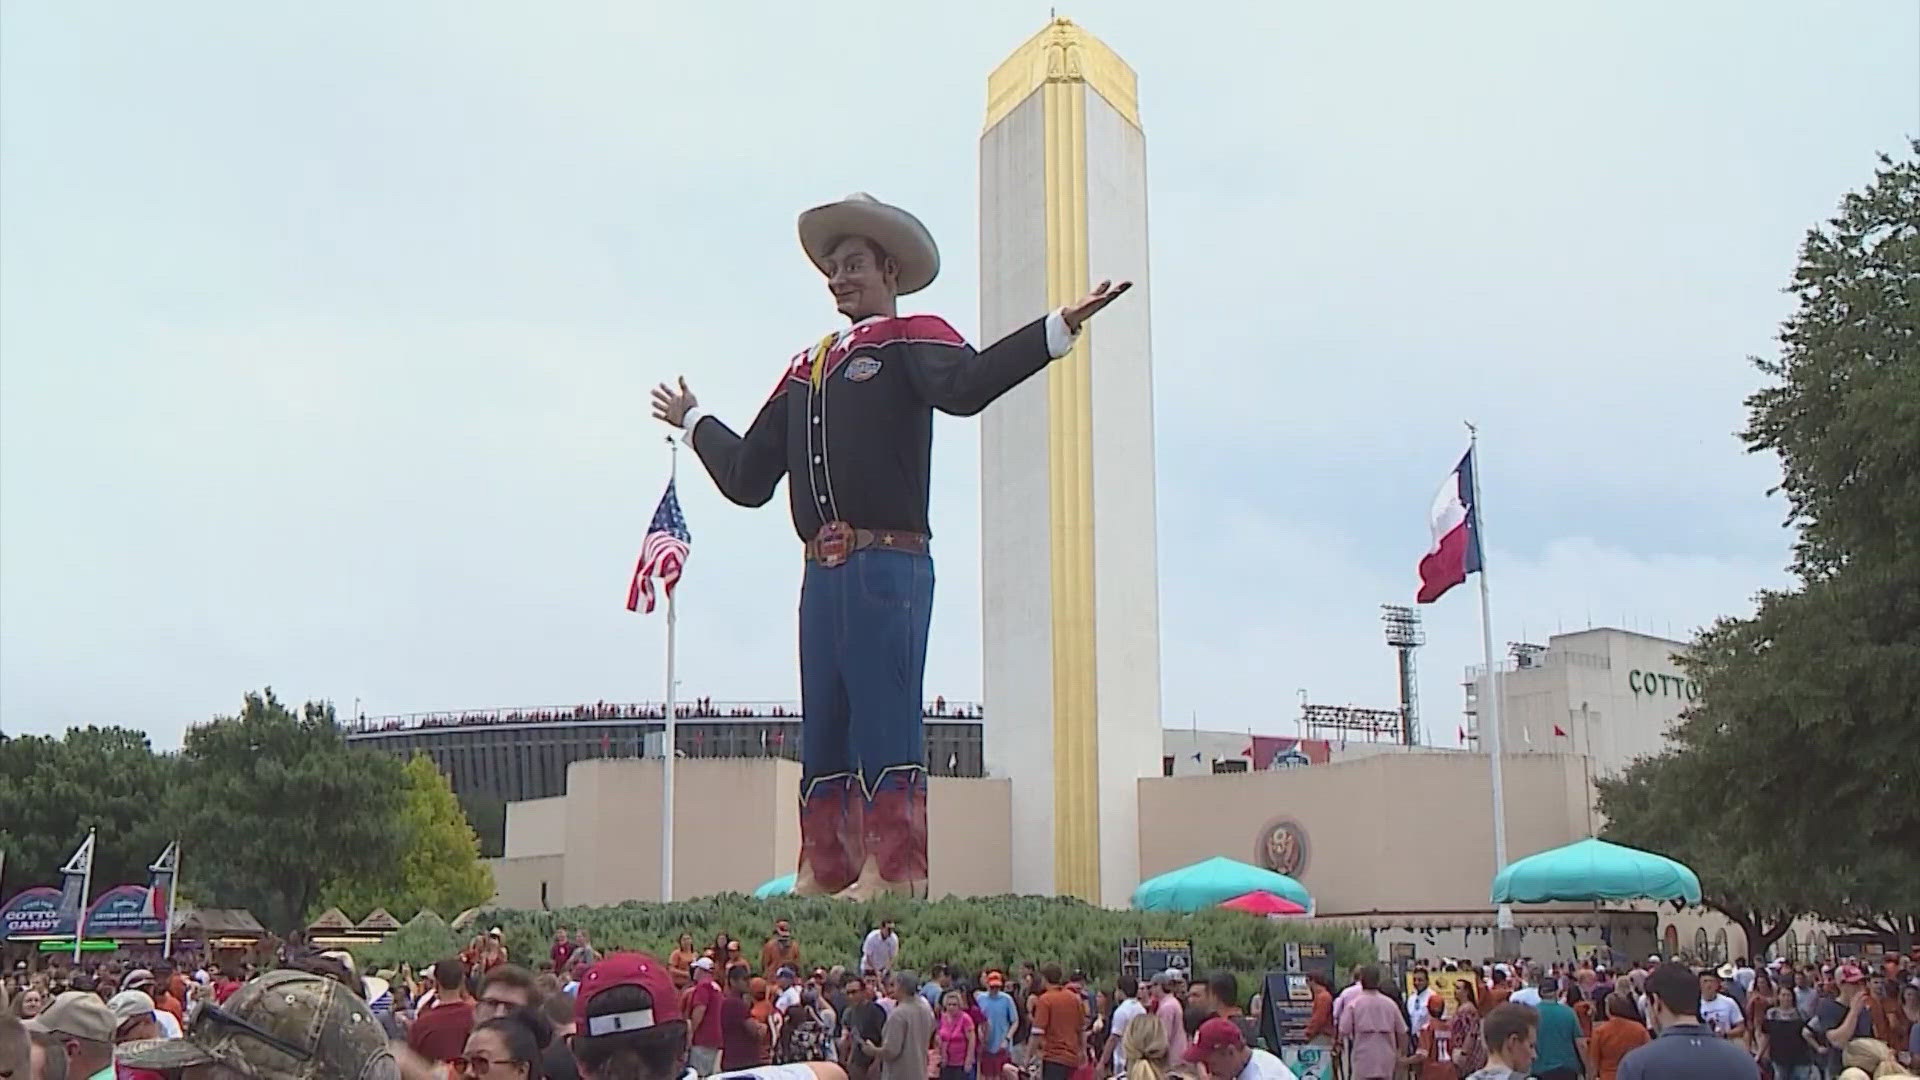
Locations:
{"points": [[898, 233]]}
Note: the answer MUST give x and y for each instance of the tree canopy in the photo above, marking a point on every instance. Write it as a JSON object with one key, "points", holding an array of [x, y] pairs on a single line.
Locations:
{"points": [[53, 790], [439, 868], [278, 805], [1788, 787]]}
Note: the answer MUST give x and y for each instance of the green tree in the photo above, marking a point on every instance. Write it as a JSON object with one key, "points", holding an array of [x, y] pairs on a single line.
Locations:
{"points": [[1800, 760], [440, 868], [278, 805], [53, 790], [1675, 804]]}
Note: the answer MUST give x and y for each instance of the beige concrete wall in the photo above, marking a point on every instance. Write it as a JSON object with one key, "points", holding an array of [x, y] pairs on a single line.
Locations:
{"points": [[535, 827], [517, 882], [968, 823], [1391, 833], [736, 826]]}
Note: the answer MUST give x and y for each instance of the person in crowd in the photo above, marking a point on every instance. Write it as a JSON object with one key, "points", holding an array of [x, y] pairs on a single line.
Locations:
{"points": [[902, 1050], [1620, 1032], [1910, 1007], [32, 999], [440, 1033], [1511, 1031], [1872, 1057], [1685, 1046], [283, 1025], [1759, 1000], [1432, 1057], [510, 987], [509, 1046], [957, 1037], [1719, 1011], [862, 1023], [1782, 1041], [1132, 1004], [739, 1032], [1059, 1026], [803, 1033], [880, 949], [703, 1008], [73, 1038], [1838, 1020], [1168, 1006], [16, 1054], [680, 962], [1000, 1016], [1319, 1030], [780, 950], [1143, 1048], [1417, 1015], [1218, 1046], [583, 950], [1560, 1051], [1469, 1049], [1373, 1029], [562, 950]]}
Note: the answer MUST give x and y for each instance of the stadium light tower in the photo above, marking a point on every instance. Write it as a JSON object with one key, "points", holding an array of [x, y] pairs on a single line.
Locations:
{"points": [[1405, 635]]}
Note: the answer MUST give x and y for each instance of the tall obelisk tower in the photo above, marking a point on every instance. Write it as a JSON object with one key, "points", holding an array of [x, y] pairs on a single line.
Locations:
{"points": [[1069, 575]]}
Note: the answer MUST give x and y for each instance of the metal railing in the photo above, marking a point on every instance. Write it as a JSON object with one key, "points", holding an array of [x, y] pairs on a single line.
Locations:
{"points": [[699, 709]]}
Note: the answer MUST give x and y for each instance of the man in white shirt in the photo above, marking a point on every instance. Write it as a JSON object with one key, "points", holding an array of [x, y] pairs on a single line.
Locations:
{"points": [[1129, 1008], [1417, 1017], [1718, 1011], [1529, 992], [877, 953], [789, 990]]}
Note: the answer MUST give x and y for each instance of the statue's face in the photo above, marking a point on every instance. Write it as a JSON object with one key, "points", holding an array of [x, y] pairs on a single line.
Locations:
{"points": [[862, 278]]}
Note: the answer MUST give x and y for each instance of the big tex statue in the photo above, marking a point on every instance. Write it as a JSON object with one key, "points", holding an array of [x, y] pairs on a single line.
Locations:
{"points": [[851, 427]]}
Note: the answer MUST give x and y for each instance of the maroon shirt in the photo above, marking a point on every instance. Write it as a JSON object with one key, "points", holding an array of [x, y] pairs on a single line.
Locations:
{"points": [[559, 954], [440, 1034]]}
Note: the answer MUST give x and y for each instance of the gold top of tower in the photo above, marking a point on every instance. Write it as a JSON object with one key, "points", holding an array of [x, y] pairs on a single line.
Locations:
{"points": [[1062, 52]]}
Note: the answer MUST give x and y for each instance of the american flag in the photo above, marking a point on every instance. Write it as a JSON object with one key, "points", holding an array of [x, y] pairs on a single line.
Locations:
{"points": [[662, 553]]}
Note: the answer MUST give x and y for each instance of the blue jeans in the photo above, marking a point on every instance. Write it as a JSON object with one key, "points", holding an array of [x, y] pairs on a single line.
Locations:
{"points": [[863, 776], [863, 660], [1795, 1072]]}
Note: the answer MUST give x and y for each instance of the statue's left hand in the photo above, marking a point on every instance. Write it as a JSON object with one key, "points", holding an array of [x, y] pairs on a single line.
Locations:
{"points": [[1087, 306]]}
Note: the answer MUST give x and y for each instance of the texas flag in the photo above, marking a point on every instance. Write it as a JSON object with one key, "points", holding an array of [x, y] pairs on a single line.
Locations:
{"points": [[1456, 535]]}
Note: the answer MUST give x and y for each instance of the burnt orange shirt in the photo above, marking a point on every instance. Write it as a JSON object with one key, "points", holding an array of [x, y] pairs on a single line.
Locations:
{"points": [[1612, 1039], [1320, 1021], [1061, 1014]]}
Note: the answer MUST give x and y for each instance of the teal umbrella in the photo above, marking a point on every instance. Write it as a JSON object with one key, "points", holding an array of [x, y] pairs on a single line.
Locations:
{"points": [[1206, 884], [1595, 870], [780, 886]]}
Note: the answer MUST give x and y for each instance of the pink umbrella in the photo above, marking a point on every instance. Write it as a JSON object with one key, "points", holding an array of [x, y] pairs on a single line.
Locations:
{"points": [[1261, 902]]}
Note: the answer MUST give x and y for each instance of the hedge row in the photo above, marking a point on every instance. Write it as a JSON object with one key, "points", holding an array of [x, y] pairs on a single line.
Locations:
{"points": [[969, 934]]}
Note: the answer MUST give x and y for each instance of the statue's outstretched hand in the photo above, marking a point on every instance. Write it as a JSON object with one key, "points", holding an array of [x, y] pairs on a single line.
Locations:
{"points": [[671, 405], [1087, 306]]}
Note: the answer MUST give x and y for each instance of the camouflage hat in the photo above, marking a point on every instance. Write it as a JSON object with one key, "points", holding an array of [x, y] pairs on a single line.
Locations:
{"points": [[284, 1025]]}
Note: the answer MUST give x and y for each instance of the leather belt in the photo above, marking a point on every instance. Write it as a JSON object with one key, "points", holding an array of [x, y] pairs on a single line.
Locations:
{"points": [[837, 540]]}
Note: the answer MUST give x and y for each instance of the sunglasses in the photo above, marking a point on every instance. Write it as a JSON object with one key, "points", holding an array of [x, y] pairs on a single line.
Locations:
{"points": [[477, 1065]]}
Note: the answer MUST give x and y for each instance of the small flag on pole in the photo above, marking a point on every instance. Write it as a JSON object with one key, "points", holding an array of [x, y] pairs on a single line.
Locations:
{"points": [[1559, 731], [82, 860], [1456, 535], [662, 554], [160, 883]]}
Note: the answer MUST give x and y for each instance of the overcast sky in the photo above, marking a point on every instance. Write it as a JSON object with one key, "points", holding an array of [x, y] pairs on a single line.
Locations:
{"points": [[326, 329]]}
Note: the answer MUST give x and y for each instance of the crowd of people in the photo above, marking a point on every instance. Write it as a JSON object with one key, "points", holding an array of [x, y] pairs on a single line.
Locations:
{"points": [[721, 1010], [702, 708]]}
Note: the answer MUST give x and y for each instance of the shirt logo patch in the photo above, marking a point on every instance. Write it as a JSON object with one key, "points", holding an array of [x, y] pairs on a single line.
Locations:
{"points": [[862, 368]]}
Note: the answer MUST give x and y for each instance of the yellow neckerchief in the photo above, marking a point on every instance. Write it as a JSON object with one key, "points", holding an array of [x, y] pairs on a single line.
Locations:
{"points": [[818, 368]]}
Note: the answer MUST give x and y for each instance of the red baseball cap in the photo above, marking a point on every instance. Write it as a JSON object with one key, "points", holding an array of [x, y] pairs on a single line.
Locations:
{"points": [[994, 978], [1218, 1033], [626, 969], [1850, 973]]}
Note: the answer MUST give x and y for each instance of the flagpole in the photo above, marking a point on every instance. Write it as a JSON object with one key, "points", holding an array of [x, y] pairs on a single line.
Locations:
{"points": [[173, 899], [86, 889], [666, 728], [1492, 707]]}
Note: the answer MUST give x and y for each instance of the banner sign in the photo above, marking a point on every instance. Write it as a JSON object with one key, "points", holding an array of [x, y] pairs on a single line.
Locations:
{"points": [[1143, 958], [125, 911], [35, 913]]}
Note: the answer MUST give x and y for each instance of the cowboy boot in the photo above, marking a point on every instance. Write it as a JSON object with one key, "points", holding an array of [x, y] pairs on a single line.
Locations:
{"points": [[895, 840], [826, 866]]}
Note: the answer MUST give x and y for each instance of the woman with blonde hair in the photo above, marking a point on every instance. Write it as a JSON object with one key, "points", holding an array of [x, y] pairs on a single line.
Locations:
{"points": [[1143, 1046], [1872, 1057]]}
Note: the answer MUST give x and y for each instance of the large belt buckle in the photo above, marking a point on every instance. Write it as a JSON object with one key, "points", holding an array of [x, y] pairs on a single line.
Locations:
{"points": [[833, 543]]}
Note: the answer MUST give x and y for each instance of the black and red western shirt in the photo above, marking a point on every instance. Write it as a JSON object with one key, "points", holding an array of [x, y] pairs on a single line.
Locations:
{"points": [[857, 442]]}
